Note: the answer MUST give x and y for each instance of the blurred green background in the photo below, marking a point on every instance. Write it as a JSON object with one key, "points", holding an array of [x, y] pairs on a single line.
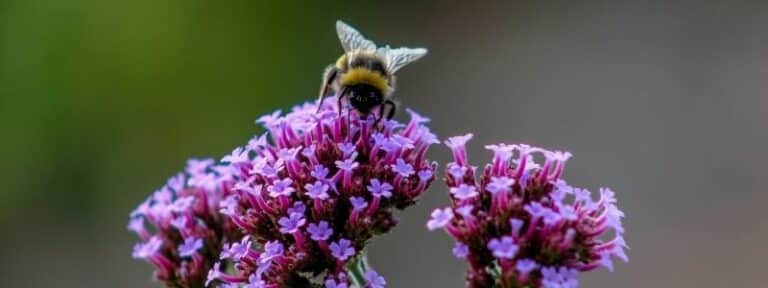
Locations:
{"points": [[664, 101]]}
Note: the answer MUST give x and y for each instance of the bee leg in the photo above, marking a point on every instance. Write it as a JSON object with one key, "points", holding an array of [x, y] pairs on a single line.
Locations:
{"points": [[328, 77], [340, 97], [380, 116], [349, 123], [391, 112]]}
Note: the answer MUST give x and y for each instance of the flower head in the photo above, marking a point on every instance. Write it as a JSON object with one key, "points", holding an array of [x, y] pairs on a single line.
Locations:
{"points": [[520, 212], [179, 225], [315, 188]]}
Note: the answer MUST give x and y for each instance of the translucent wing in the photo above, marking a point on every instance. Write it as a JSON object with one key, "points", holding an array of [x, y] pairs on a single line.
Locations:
{"points": [[398, 58], [351, 39]]}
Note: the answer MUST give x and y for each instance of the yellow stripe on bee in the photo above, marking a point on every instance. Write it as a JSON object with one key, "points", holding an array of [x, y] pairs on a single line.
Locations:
{"points": [[365, 76]]}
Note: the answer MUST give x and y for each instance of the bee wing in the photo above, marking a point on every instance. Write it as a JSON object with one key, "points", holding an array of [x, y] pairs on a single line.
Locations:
{"points": [[351, 39], [398, 58]]}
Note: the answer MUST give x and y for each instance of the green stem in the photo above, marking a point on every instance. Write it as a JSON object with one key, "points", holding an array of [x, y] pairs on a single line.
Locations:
{"points": [[356, 270]]}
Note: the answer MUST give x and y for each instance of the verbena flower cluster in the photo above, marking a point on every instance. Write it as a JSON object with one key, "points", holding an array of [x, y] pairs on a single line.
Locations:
{"points": [[296, 206], [521, 225], [307, 196], [180, 225]]}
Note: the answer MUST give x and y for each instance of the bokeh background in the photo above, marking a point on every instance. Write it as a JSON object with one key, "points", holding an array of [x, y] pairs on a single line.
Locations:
{"points": [[664, 101]]}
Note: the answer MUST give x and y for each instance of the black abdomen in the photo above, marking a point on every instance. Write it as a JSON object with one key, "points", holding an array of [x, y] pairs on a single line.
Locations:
{"points": [[364, 97]]}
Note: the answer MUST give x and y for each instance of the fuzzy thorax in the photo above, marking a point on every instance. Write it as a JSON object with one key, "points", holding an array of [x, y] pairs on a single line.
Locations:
{"points": [[356, 76]]}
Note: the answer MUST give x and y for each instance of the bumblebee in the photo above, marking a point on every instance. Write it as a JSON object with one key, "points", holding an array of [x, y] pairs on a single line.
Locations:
{"points": [[364, 74]]}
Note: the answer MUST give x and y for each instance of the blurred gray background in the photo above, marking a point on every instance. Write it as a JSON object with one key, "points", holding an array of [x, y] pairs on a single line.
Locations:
{"points": [[663, 101]]}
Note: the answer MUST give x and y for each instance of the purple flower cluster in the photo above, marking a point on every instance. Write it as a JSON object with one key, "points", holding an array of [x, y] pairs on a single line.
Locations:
{"points": [[180, 226], [521, 225], [313, 190]]}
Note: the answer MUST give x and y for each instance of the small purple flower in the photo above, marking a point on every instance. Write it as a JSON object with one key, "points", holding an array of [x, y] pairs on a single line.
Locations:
{"points": [[380, 189], [257, 142], [254, 281], [320, 172], [164, 195], [235, 251], [198, 166], [457, 171], [342, 249], [440, 218], [229, 205], [286, 154], [404, 142], [281, 188], [320, 232], [269, 170], [504, 248], [501, 151], [145, 250], [460, 250], [551, 217], [389, 145], [464, 192], [245, 187], [561, 277], [270, 120], [136, 225], [309, 151], [272, 249], [465, 211], [516, 224], [568, 213], [347, 165], [190, 246], [182, 204], [358, 203], [500, 184], [525, 266], [425, 175], [317, 190], [213, 274], [239, 155], [416, 117], [535, 209], [297, 208], [403, 168], [347, 149], [292, 223], [331, 283], [458, 141], [374, 279]]}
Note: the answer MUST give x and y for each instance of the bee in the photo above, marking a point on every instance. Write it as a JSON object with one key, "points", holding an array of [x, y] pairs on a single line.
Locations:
{"points": [[365, 73]]}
